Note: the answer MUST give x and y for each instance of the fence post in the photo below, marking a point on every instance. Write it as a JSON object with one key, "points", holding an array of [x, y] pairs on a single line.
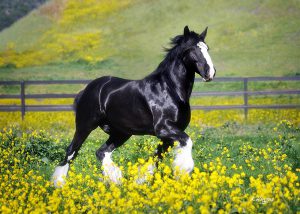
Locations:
{"points": [[246, 98], [23, 99]]}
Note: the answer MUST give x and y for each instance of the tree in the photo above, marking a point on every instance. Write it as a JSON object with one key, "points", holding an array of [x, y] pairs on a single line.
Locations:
{"points": [[13, 10]]}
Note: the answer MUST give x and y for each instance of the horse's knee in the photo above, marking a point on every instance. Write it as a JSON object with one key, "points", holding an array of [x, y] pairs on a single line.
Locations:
{"points": [[173, 136]]}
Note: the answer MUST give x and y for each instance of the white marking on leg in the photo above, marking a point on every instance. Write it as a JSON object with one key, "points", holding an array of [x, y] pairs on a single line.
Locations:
{"points": [[60, 175], [71, 156], [151, 168], [183, 159], [110, 169], [204, 49], [143, 177]]}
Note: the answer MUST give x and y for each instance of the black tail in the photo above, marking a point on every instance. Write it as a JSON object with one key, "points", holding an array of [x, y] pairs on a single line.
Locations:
{"points": [[76, 100]]}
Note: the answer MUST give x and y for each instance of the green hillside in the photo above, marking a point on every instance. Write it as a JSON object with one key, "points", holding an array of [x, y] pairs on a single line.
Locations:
{"points": [[79, 40]]}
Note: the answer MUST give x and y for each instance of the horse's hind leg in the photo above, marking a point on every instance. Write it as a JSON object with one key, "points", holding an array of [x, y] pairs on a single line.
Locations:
{"points": [[104, 153], [61, 170]]}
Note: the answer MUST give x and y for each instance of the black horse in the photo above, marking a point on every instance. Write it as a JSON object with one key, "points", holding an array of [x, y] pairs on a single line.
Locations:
{"points": [[156, 105]]}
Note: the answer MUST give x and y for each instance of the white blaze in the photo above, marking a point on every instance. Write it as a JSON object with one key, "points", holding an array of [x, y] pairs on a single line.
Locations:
{"points": [[143, 177], [204, 49], [184, 160]]}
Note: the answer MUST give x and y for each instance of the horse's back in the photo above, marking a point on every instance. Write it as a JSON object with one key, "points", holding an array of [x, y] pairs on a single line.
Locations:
{"points": [[86, 105]]}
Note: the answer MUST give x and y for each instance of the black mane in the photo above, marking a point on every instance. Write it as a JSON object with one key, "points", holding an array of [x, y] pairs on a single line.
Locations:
{"points": [[181, 41], [178, 45]]}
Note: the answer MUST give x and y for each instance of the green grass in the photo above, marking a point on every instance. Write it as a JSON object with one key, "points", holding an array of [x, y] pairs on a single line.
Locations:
{"points": [[247, 38], [25, 32], [209, 143], [252, 86], [250, 152]]}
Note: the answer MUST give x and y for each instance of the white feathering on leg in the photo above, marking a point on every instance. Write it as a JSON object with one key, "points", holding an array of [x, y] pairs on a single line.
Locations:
{"points": [[184, 160], [110, 169], [60, 175], [143, 177]]}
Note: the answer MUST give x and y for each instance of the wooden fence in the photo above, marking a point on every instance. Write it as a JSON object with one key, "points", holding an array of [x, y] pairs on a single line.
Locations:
{"points": [[245, 93]]}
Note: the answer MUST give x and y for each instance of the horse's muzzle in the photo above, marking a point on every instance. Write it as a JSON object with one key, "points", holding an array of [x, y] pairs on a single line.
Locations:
{"points": [[207, 80]]}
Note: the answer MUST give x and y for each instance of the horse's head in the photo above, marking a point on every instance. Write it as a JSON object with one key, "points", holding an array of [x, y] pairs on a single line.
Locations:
{"points": [[195, 54]]}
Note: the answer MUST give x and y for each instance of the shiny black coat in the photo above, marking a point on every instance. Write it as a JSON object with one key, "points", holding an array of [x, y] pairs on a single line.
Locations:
{"points": [[156, 105]]}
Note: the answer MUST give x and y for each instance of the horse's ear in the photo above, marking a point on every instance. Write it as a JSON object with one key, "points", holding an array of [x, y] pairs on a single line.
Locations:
{"points": [[203, 34], [186, 31]]}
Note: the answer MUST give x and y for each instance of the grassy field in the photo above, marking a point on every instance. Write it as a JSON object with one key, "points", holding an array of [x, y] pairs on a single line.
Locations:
{"points": [[252, 38], [240, 166]]}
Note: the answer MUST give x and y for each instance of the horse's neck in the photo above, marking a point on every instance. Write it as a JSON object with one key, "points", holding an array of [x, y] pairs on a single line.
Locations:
{"points": [[179, 79]]}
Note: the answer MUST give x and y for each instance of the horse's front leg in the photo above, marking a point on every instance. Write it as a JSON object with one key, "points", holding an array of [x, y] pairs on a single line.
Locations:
{"points": [[61, 171], [183, 156], [110, 169], [183, 151]]}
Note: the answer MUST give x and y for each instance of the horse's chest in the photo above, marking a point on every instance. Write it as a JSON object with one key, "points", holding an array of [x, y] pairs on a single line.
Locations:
{"points": [[168, 111], [183, 116]]}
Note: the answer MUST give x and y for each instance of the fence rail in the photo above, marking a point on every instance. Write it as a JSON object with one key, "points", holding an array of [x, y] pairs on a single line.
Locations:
{"points": [[23, 108]]}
